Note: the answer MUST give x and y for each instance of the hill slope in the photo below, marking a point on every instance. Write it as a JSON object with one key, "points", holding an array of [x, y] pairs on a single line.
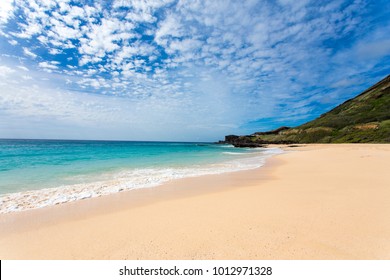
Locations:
{"points": [[363, 119]]}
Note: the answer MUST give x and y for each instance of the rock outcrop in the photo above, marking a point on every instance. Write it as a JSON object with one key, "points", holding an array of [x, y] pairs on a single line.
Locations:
{"points": [[363, 119]]}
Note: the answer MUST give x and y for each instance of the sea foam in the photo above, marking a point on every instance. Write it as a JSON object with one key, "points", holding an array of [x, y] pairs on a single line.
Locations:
{"points": [[125, 180]]}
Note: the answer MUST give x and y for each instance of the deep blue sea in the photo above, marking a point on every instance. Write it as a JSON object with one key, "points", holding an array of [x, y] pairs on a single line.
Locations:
{"points": [[37, 173]]}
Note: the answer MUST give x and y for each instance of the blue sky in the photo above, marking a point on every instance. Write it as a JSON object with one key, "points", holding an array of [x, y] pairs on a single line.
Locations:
{"points": [[182, 70]]}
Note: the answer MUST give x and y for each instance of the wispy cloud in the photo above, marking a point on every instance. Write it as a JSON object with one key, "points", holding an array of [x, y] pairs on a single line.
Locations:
{"points": [[195, 68], [29, 53]]}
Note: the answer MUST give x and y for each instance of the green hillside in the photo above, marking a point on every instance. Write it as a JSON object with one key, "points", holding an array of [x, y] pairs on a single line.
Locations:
{"points": [[363, 119]]}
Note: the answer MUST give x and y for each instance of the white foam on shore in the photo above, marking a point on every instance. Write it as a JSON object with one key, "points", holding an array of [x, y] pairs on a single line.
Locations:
{"points": [[124, 180], [232, 153]]}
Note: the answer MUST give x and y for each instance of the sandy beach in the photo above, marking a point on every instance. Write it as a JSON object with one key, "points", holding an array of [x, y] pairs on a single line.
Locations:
{"points": [[312, 202]]}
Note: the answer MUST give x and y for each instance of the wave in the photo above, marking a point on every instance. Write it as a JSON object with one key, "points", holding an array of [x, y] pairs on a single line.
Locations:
{"points": [[122, 181], [233, 153]]}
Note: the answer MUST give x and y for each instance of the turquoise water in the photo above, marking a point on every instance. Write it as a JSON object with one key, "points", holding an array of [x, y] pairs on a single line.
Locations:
{"points": [[55, 171]]}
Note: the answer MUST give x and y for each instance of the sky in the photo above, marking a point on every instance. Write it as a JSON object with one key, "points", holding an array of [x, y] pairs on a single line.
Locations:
{"points": [[173, 70]]}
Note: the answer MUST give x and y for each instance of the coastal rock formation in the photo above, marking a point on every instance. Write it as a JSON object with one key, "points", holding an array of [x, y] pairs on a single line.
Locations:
{"points": [[363, 119]]}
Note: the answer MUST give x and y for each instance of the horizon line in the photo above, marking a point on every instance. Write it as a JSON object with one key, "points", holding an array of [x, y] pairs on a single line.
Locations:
{"points": [[103, 140]]}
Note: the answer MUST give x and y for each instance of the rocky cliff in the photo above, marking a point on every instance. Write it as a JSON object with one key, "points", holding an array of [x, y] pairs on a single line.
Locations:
{"points": [[363, 119]]}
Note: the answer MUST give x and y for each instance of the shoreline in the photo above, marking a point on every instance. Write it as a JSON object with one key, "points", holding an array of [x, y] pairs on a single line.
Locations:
{"points": [[321, 202], [130, 179], [134, 198]]}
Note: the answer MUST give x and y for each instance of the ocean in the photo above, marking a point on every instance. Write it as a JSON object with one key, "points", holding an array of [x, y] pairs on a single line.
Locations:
{"points": [[38, 173]]}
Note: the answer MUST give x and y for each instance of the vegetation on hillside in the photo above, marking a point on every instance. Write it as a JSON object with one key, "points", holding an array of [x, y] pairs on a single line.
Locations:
{"points": [[363, 119]]}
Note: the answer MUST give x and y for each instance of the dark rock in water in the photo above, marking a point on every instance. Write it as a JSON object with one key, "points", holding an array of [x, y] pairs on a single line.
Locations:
{"points": [[241, 141], [248, 145], [229, 139], [251, 141]]}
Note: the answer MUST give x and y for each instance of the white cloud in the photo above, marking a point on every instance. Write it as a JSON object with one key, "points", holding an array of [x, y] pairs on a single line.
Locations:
{"points": [[47, 65], [103, 38], [13, 42], [77, 12], [62, 31], [5, 71], [133, 50], [6, 10], [29, 30], [54, 51], [29, 53], [141, 10], [27, 77], [170, 27], [23, 68], [133, 118]]}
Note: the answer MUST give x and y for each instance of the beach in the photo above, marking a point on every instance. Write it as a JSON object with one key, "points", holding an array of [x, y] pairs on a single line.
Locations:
{"points": [[329, 201]]}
